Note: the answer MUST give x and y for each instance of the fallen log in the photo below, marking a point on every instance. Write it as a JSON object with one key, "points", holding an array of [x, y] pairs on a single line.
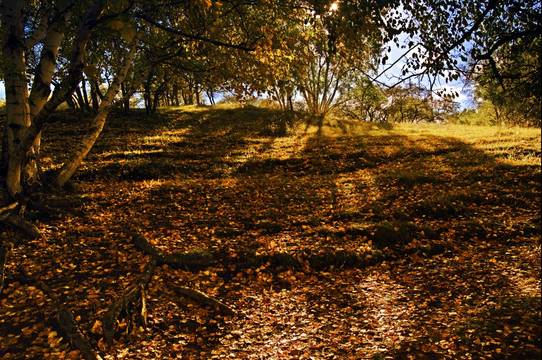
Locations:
{"points": [[67, 324], [110, 317], [201, 298]]}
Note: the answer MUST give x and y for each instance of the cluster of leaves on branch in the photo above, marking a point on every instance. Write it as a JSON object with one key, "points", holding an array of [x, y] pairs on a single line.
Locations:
{"points": [[515, 95]]}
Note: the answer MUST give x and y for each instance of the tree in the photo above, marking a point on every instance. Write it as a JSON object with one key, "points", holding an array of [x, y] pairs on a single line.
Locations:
{"points": [[365, 100], [41, 48], [27, 112], [466, 36], [409, 104], [336, 46], [40, 28], [515, 93]]}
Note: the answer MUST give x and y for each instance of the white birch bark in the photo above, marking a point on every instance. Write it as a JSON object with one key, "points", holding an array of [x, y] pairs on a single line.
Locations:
{"points": [[19, 154], [98, 122], [17, 109]]}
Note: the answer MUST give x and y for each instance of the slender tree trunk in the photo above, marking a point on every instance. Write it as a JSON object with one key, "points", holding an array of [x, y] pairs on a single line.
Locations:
{"points": [[147, 96], [95, 94], [17, 107], [126, 102], [79, 99], [85, 94], [175, 95], [97, 124], [23, 128]]}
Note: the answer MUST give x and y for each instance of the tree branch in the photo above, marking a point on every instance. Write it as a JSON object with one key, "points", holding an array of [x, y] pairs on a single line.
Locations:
{"points": [[242, 46]]}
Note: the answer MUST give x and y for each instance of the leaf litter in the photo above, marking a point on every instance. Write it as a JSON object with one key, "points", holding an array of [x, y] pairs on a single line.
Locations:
{"points": [[370, 245]]}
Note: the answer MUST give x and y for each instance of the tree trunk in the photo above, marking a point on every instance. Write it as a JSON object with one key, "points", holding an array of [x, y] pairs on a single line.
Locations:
{"points": [[80, 99], [17, 107], [147, 96], [197, 91], [126, 102], [97, 124], [175, 95], [85, 94], [95, 94], [23, 127]]}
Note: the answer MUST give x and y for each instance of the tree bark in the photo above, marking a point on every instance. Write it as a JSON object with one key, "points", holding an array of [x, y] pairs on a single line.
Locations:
{"points": [[126, 101], [24, 130], [17, 108], [97, 124], [85, 94], [95, 95]]}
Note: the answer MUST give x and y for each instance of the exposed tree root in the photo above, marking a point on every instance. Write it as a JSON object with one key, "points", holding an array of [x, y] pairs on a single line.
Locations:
{"points": [[201, 298], [9, 217], [111, 315], [25, 226], [190, 260], [5, 250], [4, 211], [302, 260], [67, 324]]}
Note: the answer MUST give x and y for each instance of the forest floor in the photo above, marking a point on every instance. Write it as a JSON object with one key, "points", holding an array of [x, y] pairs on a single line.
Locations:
{"points": [[329, 240]]}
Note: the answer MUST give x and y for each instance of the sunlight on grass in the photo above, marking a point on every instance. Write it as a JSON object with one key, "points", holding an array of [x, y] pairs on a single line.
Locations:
{"points": [[166, 138], [334, 127], [517, 146], [284, 148]]}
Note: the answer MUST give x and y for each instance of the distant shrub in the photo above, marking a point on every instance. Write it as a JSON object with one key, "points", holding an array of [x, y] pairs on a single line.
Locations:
{"points": [[484, 115]]}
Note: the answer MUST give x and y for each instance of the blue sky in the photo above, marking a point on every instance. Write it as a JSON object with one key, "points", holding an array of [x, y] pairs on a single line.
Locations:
{"points": [[392, 74]]}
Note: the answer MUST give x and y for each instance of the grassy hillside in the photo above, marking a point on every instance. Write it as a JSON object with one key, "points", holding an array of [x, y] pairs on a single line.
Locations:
{"points": [[332, 239]]}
